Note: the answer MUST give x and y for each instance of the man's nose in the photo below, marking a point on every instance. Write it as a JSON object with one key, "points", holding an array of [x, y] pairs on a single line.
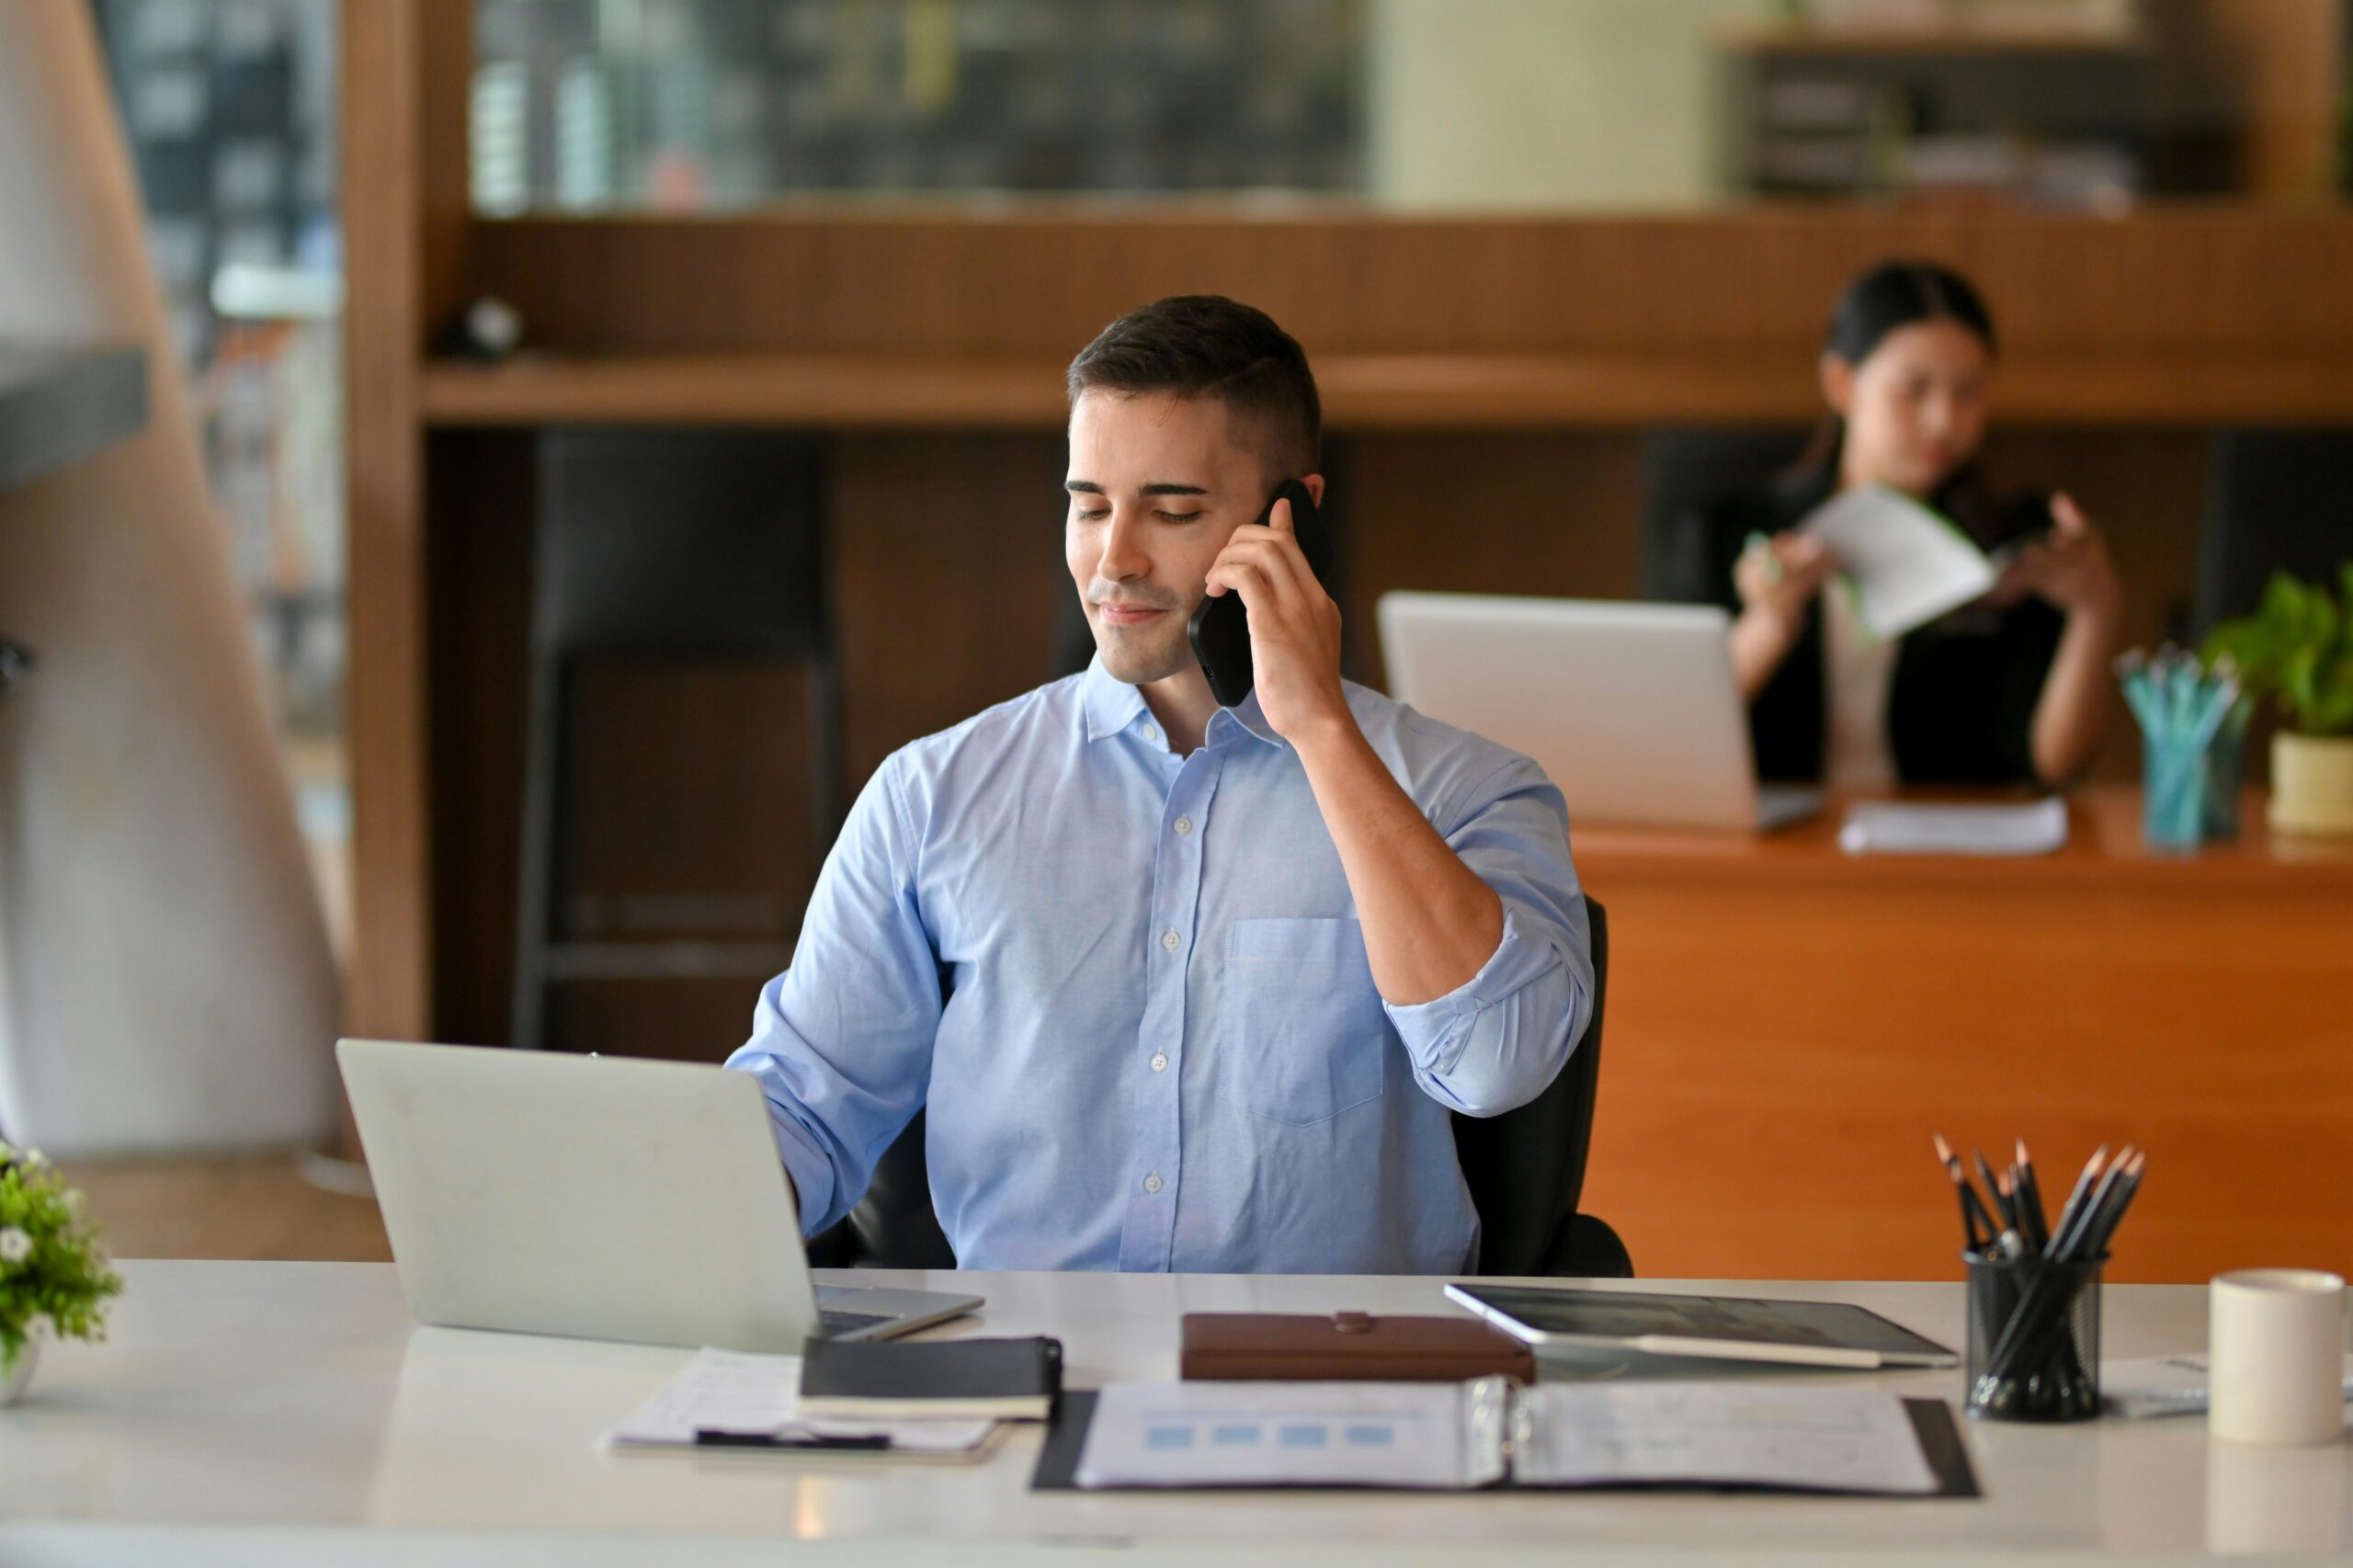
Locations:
{"points": [[1123, 555]]}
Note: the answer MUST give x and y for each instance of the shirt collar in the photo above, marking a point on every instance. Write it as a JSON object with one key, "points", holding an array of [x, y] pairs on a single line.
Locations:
{"points": [[1111, 706], [1250, 718]]}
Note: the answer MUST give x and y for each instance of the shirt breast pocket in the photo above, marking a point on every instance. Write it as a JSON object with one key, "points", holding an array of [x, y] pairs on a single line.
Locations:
{"points": [[1304, 1033]]}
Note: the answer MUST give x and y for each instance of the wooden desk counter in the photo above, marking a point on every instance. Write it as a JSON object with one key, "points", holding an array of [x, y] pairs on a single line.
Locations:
{"points": [[1789, 1024]]}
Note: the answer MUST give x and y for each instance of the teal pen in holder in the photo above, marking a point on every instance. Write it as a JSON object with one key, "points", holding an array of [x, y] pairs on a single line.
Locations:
{"points": [[2193, 729]]}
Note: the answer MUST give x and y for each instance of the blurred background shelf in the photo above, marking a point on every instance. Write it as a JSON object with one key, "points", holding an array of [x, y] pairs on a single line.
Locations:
{"points": [[1362, 392], [60, 406], [1959, 34], [2065, 110]]}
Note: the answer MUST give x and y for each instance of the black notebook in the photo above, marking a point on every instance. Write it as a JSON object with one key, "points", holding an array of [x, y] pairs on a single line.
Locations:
{"points": [[1015, 1379]]}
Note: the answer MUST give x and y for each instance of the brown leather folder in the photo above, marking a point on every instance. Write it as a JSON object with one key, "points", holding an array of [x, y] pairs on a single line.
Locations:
{"points": [[1347, 1347]]}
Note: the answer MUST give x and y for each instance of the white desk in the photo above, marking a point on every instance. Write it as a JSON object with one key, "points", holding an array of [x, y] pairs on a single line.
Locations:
{"points": [[252, 1405]]}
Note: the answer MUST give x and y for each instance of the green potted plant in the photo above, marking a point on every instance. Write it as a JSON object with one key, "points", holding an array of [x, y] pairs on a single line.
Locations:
{"points": [[2298, 647], [53, 1278]]}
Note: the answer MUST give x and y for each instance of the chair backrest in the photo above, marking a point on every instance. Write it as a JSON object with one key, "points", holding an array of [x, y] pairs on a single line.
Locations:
{"points": [[680, 544], [893, 1225], [1687, 469], [2276, 500], [1526, 1167]]}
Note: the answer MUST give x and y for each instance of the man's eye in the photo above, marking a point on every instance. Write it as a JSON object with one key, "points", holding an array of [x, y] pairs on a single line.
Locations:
{"points": [[1092, 514], [1178, 516]]}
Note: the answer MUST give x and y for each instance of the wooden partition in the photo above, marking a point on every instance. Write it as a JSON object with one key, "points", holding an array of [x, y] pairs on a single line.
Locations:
{"points": [[1486, 384]]}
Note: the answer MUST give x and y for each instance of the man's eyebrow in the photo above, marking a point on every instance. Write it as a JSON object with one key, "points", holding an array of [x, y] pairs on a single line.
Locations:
{"points": [[1088, 487]]}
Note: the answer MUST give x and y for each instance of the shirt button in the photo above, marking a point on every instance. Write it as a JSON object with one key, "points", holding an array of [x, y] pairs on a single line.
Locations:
{"points": [[1169, 939], [1160, 1062], [1152, 1182], [1184, 826], [1152, 731]]}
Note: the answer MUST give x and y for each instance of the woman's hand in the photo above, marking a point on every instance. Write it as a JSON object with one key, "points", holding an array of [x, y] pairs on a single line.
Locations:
{"points": [[2071, 569], [1777, 578]]}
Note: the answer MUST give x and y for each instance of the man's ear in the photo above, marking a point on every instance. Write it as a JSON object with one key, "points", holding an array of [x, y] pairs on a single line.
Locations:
{"points": [[1838, 379], [1315, 482]]}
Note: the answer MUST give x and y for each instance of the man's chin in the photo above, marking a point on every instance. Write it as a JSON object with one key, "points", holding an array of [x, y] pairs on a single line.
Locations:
{"points": [[1124, 660]]}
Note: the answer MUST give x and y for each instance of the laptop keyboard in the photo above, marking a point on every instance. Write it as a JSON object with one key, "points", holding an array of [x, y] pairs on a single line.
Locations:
{"points": [[849, 1323]]}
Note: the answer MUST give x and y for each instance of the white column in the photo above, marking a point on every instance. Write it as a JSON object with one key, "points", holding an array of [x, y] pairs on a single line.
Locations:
{"points": [[165, 980], [1548, 105]]}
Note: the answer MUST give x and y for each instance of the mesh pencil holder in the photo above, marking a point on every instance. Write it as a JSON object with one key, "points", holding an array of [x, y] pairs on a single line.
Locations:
{"points": [[2033, 1338]]}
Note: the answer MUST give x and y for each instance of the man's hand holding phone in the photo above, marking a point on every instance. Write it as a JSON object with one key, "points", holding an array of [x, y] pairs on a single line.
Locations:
{"points": [[1294, 626]]}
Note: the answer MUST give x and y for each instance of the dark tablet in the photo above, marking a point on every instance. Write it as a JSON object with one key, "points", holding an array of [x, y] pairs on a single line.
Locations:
{"points": [[1806, 1334]]}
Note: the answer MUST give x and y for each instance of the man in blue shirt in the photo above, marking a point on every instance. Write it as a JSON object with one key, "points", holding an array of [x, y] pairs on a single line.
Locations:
{"points": [[1185, 987]]}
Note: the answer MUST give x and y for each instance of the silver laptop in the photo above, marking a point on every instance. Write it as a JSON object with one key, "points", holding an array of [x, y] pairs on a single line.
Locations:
{"points": [[1630, 709], [598, 1196]]}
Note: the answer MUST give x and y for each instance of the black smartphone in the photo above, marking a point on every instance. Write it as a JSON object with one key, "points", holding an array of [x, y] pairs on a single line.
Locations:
{"points": [[1219, 628]]}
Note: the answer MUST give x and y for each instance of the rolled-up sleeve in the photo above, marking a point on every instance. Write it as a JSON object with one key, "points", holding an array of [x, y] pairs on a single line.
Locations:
{"points": [[1497, 1040], [842, 1040]]}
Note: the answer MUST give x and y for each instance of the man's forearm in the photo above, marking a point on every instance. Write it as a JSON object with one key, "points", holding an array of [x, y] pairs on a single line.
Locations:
{"points": [[1429, 923]]}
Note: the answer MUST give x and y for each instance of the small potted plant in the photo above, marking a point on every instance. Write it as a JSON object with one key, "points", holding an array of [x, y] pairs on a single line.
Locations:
{"points": [[2298, 647], [53, 1278]]}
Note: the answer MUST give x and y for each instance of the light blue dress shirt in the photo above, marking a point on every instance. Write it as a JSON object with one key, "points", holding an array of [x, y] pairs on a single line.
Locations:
{"points": [[1133, 990]]}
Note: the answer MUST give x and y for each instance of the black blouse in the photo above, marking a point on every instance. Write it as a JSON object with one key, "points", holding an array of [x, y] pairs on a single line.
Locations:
{"points": [[1960, 706]]}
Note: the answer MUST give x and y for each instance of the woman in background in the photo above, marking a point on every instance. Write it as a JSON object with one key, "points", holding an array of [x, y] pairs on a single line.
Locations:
{"points": [[2012, 689]]}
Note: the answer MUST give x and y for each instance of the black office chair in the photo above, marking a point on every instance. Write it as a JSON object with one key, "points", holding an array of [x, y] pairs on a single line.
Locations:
{"points": [[664, 545], [1525, 1169], [1687, 469], [2276, 501], [893, 1225]]}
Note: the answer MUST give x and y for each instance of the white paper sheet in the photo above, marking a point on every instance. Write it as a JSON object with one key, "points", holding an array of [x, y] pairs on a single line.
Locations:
{"points": [[1389, 1435], [1890, 827], [2167, 1385], [729, 1391], [1718, 1434], [1908, 564]]}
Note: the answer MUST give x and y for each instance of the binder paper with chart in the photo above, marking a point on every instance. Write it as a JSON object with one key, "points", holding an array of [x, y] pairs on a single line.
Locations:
{"points": [[1459, 1437]]}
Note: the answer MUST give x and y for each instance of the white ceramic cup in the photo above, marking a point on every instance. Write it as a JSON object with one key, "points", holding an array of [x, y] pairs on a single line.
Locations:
{"points": [[2276, 1368]]}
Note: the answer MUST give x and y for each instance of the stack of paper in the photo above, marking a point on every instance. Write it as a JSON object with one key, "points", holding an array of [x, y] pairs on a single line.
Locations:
{"points": [[2037, 828], [747, 1397], [2167, 1385]]}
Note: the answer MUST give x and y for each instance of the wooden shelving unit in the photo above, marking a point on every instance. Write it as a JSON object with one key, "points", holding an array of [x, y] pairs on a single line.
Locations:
{"points": [[1362, 392], [1489, 377]]}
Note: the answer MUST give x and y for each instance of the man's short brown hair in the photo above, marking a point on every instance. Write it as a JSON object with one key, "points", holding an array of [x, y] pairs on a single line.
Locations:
{"points": [[1208, 345]]}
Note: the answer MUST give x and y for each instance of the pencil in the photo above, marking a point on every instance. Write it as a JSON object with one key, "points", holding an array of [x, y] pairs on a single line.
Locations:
{"points": [[2001, 1200], [1973, 1211], [2105, 1223], [2038, 1321], [2068, 1245], [2083, 1188], [2038, 1223]]}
